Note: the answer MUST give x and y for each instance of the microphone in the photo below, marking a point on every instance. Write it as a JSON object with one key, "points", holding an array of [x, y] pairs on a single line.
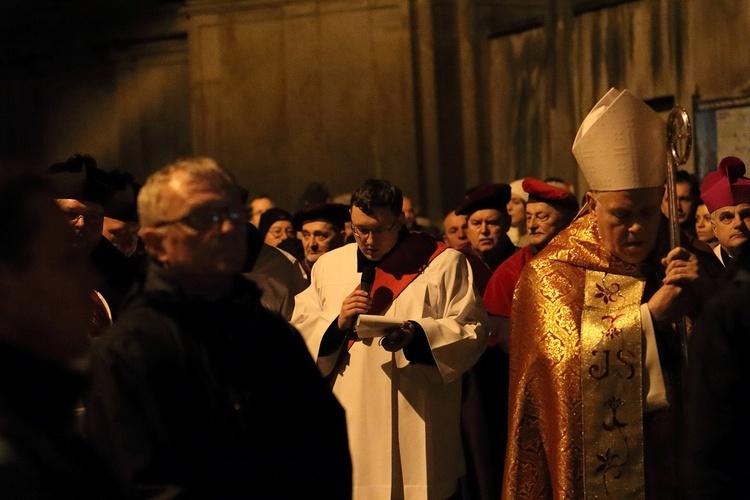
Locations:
{"points": [[368, 278]]}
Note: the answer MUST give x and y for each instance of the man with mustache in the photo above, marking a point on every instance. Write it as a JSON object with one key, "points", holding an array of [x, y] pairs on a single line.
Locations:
{"points": [[549, 210], [321, 229]]}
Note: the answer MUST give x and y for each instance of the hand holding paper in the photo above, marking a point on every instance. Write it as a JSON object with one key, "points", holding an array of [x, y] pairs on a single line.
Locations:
{"points": [[370, 326], [395, 333]]}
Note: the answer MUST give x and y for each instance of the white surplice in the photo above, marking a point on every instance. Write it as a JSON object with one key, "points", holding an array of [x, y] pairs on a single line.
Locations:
{"points": [[400, 412]]}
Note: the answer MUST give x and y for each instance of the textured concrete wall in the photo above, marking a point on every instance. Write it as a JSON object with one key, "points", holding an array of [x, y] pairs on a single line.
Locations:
{"points": [[288, 94], [116, 86], [335, 91], [544, 81]]}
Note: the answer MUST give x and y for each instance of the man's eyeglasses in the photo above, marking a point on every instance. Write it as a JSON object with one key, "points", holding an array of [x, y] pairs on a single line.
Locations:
{"points": [[208, 218], [93, 217], [364, 233]]}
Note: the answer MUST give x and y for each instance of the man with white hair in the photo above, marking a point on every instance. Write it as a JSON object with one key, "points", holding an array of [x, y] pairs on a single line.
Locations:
{"points": [[726, 193], [593, 355], [197, 390]]}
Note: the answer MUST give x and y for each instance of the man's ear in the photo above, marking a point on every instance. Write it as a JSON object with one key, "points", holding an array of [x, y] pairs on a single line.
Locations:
{"points": [[153, 241], [591, 202]]}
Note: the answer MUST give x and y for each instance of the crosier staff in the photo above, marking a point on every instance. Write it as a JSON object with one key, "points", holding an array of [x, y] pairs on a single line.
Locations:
{"points": [[679, 144]]}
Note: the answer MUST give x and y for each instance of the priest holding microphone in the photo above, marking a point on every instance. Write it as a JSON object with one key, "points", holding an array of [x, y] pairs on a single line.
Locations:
{"points": [[400, 383]]}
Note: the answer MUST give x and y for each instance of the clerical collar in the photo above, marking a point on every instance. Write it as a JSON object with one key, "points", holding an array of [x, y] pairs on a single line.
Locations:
{"points": [[725, 256], [363, 261]]}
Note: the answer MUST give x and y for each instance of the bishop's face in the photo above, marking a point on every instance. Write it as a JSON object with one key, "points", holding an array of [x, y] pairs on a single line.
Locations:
{"points": [[627, 221]]}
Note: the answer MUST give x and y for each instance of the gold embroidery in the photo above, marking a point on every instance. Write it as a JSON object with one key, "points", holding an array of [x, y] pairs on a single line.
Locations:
{"points": [[545, 456], [608, 293], [611, 384]]}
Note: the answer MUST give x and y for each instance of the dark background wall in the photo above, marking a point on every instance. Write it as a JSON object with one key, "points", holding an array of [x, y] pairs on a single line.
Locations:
{"points": [[436, 95]]}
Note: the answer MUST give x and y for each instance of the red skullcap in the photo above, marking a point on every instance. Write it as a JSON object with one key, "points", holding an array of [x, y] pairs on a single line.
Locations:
{"points": [[726, 186]]}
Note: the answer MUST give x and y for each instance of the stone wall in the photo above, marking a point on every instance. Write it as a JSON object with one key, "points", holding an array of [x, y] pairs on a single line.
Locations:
{"points": [[544, 81], [285, 94], [428, 93]]}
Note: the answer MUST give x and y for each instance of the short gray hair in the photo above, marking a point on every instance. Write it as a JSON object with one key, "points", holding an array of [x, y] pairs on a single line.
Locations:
{"points": [[150, 195]]}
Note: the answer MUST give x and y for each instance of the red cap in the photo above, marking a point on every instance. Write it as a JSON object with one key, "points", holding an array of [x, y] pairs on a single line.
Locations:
{"points": [[726, 186], [552, 195]]}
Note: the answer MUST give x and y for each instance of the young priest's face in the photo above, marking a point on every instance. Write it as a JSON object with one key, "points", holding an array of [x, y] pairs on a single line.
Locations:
{"points": [[376, 233]]}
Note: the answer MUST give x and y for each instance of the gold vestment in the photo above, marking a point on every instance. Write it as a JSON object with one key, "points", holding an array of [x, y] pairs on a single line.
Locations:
{"points": [[545, 456]]}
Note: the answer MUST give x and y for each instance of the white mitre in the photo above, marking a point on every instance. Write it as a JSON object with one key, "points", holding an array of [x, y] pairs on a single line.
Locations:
{"points": [[621, 144]]}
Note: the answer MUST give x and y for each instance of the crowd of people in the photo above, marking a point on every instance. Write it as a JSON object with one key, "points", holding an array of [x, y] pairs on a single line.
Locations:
{"points": [[182, 339]]}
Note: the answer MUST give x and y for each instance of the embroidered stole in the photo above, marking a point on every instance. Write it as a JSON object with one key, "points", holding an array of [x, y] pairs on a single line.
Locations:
{"points": [[611, 386]]}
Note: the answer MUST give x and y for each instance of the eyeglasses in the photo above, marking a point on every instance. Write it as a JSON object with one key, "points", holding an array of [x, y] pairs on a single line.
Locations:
{"points": [[93, 217], [204, 219], [364, 233]]}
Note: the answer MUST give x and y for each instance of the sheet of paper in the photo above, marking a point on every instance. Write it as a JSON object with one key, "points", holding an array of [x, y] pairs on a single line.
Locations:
{"points": [[370, 326]]}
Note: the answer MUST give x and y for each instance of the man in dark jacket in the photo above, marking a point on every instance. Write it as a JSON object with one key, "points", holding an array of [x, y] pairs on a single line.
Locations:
{"points": [[45, 285], [85, 196], [715, 461], [197, 389]]}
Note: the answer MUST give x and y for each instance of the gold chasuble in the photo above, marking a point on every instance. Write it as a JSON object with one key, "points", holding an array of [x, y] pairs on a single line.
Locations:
{"points": [[576, 380]]}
